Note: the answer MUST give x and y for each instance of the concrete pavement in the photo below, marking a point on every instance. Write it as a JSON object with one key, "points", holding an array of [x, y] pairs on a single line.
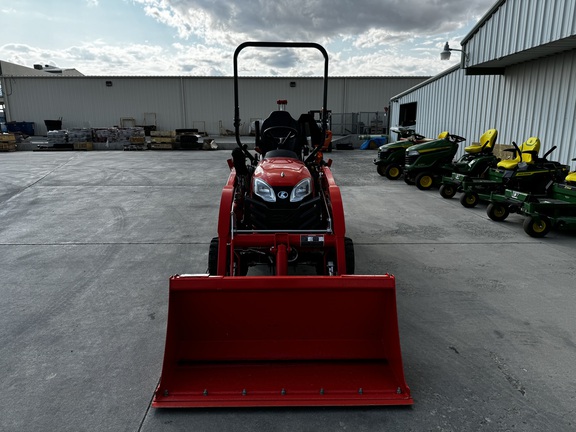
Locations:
{"points": [[89, 239]]}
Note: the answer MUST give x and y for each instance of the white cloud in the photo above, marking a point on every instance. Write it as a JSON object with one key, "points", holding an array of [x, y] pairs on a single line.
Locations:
{"points": [[198, 37]]}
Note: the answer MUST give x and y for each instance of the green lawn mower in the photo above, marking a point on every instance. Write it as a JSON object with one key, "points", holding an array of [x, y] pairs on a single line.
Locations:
{"points": [[390, 159], [556, 209], [474, 163], [526, 172], [428, 163]]}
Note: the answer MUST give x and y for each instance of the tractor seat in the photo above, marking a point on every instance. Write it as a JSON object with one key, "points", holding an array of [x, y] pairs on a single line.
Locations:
{"points": [[443, 135], [532, 144], [278, 119], [486, 143], [280, 153], [571, 178]]}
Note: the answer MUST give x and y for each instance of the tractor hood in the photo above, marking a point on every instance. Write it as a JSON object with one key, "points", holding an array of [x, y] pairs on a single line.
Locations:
{"points": [[396, 145], [281, 171], [432, 146]]}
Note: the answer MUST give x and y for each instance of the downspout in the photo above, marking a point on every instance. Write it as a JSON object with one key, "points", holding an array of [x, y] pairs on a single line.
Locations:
{"points": [[344, 101], [183, 102]]}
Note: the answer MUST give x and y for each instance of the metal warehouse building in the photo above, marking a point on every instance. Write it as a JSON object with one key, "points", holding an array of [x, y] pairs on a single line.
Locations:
{"points": [[517, 75], [203, 103]]}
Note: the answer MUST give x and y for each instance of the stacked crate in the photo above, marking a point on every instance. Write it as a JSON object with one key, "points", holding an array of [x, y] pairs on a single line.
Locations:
{"points": [[162, 140], [7, 142], [105, 135], [81, 138], [133, 138], [136, 143], [58, 140], [188, 139]]}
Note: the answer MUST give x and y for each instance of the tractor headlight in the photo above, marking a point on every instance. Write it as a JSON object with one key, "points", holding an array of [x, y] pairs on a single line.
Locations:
{"points": [[301, 190], [412, 153], [264, 191]]}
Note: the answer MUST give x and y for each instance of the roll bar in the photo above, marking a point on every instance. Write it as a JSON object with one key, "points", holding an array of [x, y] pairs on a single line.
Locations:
{"points": [[240, 47]]}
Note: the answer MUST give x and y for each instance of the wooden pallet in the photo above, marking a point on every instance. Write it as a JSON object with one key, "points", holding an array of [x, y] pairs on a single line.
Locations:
{"points": [[161, 146], [83, 146], [7, 146]]}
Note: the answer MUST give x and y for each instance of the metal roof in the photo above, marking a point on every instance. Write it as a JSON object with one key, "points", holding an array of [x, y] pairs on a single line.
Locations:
{"points": [[428, 81], [515, 31], [483, 20]]}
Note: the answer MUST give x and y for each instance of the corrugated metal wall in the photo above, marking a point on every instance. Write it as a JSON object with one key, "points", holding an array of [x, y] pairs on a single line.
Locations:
{"points": [[185, 102], [536, 98], [519, 25]]}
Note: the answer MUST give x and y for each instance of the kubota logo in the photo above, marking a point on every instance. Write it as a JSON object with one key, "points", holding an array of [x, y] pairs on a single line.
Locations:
{"points": [[282, 194]]}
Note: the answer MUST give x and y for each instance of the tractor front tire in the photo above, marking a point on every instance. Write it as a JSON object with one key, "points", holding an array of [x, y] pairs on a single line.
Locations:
{"points": [[497, 212], [393, 172], [537, 227], [447, 191], [424, 181], [213, 257], [381, 169], [350, 258], [469, 199]]}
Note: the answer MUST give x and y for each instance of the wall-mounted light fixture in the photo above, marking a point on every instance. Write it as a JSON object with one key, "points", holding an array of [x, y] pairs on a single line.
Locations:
{"points": [[445, 54], [108, 83], [292, 83]]}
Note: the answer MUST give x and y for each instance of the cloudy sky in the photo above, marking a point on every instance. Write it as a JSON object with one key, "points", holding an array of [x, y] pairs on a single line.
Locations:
{"points": [[198, 37]]}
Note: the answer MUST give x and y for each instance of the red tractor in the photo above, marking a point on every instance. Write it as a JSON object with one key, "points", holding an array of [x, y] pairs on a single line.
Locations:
{"points": [[301, 338]]}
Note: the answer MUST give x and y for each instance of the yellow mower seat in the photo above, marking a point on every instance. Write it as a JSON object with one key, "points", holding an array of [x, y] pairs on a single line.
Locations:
{"points": [[531, 144], [443, 135], [571, 178], [486, 144]]}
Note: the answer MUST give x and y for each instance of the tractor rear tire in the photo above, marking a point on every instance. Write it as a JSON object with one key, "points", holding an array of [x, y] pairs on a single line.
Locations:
{"points": [[497, 212], [537, 227], [447, 191], [424, 181], [393, 172], [469, 199]]}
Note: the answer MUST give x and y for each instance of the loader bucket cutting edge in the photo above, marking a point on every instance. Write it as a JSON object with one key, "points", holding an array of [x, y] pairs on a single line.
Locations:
{"points": [[282, 341]]}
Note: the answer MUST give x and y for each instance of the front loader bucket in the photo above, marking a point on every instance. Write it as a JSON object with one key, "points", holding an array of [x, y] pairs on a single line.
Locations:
{"points": [[282, 341]]}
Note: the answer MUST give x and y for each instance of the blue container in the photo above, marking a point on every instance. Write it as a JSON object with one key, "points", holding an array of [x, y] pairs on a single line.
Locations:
{"points": [[27, 128]]}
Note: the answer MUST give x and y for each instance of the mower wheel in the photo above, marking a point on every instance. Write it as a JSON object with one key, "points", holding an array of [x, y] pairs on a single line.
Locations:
{"points": [[381, 169], [447, 191], [469, 199], [350, 259], [393, 172], [537, 227], [424, 181], [497, 212], [213, 257]]}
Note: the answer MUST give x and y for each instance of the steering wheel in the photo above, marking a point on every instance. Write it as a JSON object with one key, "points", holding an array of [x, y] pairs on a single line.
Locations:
{"points": [[457, 138], [285, 133]]}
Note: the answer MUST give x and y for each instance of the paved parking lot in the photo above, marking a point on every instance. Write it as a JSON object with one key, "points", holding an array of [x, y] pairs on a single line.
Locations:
{"points": [[89, 239]]}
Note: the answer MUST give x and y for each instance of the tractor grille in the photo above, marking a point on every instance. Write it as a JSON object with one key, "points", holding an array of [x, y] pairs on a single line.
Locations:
{"points": [[306, 216], [409, 160]]}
